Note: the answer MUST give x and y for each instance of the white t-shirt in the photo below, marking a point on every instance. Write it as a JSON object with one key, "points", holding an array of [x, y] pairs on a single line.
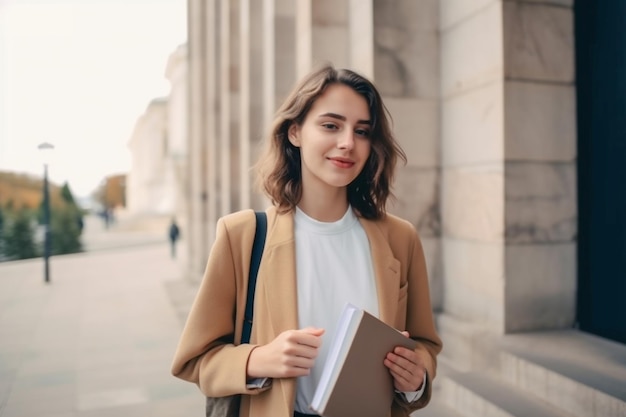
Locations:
{"points": [[333, 267]]}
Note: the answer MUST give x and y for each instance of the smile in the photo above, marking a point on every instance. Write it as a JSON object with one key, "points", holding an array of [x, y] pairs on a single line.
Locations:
{"points": [[341, 162]]}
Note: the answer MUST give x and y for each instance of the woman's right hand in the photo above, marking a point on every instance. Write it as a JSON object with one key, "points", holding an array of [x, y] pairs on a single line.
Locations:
{"points": [[291, 354]]}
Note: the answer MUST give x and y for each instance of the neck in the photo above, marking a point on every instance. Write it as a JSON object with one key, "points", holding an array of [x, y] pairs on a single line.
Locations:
{"points": [[325, 208]]}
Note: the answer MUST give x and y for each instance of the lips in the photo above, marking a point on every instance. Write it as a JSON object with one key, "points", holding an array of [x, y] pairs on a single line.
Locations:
{"points": [[342, 162]]}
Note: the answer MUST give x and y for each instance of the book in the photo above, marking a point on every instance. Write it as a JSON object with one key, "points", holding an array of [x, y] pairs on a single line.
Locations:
{"points": [[354, 380]]}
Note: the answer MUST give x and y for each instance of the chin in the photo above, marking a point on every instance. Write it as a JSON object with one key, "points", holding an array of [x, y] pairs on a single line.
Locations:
{"points": [[340, 183]]}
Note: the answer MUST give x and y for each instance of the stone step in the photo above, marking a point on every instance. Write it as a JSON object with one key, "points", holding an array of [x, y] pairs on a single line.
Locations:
{"points": [[583, 374], [481, 394], [436, 408]]}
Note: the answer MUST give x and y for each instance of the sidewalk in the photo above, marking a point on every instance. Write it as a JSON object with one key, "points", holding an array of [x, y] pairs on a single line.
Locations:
{"points": [[99, 338]]}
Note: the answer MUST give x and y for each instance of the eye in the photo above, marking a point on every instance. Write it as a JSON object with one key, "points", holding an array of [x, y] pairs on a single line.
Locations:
{"points": [[363, 132], [329, 126]]}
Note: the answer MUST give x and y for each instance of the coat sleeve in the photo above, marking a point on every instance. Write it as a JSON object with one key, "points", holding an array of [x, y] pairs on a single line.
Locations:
{"points": [[419, 320], [206, 354]]}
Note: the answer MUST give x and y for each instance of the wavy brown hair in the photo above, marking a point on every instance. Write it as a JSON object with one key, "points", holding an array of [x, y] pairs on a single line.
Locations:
{"points": [[279, 167]]}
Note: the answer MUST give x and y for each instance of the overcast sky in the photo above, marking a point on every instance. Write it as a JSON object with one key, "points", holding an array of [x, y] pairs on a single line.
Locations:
{"points": [[78, 74]]}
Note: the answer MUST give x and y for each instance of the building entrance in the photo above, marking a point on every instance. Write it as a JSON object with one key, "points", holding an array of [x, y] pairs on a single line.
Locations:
{"points": [[601, 108]]}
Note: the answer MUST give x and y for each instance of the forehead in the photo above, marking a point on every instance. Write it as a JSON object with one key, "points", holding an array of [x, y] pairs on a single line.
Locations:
{"points": [[343, 100]]}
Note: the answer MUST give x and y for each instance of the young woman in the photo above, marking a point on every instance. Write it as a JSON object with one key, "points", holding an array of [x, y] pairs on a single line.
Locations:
{"points": [[328, 167]]}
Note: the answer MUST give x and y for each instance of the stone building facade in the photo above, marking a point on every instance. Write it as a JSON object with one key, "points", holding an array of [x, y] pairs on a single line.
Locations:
{"points": [[483, 96], [158, 146], [147, 181]]}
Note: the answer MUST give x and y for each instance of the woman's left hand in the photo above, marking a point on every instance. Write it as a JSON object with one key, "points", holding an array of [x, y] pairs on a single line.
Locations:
{"points": [[406, 367]]}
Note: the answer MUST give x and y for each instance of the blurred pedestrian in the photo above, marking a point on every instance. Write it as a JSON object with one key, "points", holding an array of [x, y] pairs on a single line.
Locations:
{"points": [[174, 235]]}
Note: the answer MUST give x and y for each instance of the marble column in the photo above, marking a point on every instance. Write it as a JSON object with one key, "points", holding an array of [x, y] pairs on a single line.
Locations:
{"points": [[472, 151], [257, 127], [198, 48], [361, 36], [406, 70], [224, 145], [540, 215], [323, 34], [274, 73], [508, 167], [245, 30], [210, 140]]}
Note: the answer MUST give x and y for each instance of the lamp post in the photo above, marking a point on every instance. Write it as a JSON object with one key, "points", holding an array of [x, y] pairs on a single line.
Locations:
{"points": [[46, 149]]}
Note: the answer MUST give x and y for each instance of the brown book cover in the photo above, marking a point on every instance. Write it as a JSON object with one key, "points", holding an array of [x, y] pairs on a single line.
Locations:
{"points": [[354, 380]]}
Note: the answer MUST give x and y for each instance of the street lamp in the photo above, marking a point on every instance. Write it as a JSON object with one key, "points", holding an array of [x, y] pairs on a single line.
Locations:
{"points": [[45, 150]]}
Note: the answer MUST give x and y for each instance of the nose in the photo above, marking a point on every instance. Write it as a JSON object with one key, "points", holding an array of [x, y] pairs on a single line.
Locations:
{"points": [[346, 140]]}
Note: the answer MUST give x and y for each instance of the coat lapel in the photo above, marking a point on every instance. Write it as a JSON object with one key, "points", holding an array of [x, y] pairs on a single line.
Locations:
{"points": [[277, 274], [386, 269]]}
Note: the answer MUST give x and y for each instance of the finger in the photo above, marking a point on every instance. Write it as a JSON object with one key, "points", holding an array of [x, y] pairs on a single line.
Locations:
{"points": [[403, 365], [405, 333], [408, 354], [305, 351], [406, 381], [402, 361], [402, 384], [308, 339], [315, 331], [299, 362], [302, 337], [400, 366]]}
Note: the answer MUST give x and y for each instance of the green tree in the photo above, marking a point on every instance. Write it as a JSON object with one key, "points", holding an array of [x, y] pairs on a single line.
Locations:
{"points": [[65, 231], [66, 194], [70, 203], [19, 236], [66, 223]]}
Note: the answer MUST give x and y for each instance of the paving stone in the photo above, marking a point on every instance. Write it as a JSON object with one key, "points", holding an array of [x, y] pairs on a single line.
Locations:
{"points": [[97, 340]]}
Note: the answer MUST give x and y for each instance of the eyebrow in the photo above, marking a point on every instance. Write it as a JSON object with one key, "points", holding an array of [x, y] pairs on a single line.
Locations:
{"points": [[343, 118]]}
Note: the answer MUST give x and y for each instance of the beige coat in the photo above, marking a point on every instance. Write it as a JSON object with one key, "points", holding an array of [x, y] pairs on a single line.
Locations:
{"points": [[206, 354]]}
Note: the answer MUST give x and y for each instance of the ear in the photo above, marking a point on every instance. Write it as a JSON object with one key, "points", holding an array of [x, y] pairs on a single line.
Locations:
{"points": [[293, 134]]}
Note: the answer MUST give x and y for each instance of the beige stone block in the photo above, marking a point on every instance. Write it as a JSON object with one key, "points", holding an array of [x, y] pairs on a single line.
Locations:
{"points": [[472, 127], [330, 12], [540, 287], [417, 192], [469, 345], [421, 15], [473, 203], [538, 42], [472, 51], [432, 253], [453, 12], [541, 202], [406, 62], [331, 44], [406, 43], [416, 126], [473, 279], [540, 121]]}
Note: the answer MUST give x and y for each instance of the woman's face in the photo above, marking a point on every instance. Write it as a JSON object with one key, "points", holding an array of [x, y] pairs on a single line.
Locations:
{"points": [[334, 139]]}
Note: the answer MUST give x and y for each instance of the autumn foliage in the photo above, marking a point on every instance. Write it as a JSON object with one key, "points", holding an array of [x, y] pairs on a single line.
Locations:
{"points": [[21, 209], [24, 191]]}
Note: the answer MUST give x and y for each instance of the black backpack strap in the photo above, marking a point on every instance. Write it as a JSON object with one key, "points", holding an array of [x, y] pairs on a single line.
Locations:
{"points": [[255, 260]]}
